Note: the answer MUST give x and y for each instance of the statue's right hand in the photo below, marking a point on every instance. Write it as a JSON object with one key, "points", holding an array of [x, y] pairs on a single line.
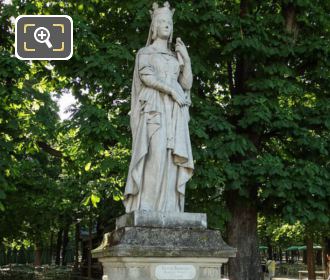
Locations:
{"points": [[179, 98]]}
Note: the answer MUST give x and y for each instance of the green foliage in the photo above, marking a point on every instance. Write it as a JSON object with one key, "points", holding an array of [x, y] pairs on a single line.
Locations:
{"points": [[277, 233], [260, 117]]}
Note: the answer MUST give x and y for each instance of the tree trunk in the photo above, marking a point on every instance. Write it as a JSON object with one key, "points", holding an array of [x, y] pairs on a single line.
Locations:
{"points": [[51, 245], [270, 248], [305, 257], [310, 259], [286, 257], [58, 247], [65, 244], [77, 238], [37, 254], [289, 11], [242, 227], [242, 234]]}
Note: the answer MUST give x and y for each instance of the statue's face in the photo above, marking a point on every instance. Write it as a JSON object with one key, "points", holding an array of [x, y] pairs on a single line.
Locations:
{"points": [[164, 26]]}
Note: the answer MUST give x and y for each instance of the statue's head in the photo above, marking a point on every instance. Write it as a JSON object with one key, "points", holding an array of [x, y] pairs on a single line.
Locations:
{"points": [[161, 23]]}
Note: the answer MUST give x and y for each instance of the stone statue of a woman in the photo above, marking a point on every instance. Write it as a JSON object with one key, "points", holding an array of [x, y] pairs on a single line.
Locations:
{"points": [[161, 162]]}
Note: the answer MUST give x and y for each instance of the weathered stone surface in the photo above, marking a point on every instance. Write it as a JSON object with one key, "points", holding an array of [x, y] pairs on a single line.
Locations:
{"points": [[162, 220], [163, 242], [156, 253]]}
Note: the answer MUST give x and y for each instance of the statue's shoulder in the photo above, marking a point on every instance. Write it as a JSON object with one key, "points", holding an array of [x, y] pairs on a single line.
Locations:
{"points": [[145, 50], [149, 50]]}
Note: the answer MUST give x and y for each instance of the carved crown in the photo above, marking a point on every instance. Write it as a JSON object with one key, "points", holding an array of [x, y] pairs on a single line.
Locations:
{"points": [[166, 9]]}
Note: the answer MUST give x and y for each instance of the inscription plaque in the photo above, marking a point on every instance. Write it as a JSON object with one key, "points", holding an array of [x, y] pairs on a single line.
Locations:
{"points": [[175, 272]]}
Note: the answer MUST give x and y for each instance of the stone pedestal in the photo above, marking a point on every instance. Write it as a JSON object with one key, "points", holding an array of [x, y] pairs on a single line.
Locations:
{"points": [[162, 246]]}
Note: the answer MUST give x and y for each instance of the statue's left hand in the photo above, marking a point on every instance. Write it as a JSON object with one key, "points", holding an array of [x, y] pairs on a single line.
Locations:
{"points": [[182, 49]]}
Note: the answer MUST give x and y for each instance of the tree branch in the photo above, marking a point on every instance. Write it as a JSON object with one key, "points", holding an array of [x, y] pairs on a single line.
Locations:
{"points": [[48, 149]]}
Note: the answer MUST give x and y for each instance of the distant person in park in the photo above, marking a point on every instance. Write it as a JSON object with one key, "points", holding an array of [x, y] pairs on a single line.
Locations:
{"points": [[161, 162], [271, 267], [263, 266]]}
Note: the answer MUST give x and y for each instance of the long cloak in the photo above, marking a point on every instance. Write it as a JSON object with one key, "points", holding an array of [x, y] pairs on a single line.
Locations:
{"points": [[181, 149]]}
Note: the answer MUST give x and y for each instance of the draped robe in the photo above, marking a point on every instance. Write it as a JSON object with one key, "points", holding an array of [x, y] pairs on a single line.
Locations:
{"points": [[161, 162]]}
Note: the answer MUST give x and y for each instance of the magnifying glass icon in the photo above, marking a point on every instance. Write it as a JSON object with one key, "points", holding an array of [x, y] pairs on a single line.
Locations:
{"points": [[41, 35]]}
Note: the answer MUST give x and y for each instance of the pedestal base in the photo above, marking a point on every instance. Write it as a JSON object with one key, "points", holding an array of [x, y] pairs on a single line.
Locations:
{"points": [[129, 268], [167, 246]]}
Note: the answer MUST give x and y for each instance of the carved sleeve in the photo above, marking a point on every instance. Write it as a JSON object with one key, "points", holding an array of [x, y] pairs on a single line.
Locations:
{"points": [[186, 77], [149, 77]]}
